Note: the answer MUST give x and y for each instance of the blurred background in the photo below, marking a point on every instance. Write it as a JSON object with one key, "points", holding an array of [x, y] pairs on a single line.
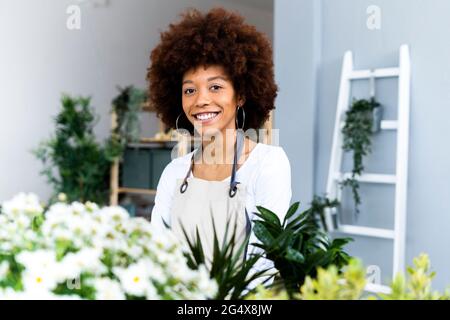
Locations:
{"points": [[42, 57]]}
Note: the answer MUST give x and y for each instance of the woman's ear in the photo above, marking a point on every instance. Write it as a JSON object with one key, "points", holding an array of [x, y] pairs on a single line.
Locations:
{"points": [[241, 101]]}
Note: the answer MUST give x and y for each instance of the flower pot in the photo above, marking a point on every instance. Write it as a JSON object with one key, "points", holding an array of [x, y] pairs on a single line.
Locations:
{"points": [[377, 114]]}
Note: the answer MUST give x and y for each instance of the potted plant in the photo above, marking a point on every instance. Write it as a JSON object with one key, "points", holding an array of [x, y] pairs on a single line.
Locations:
{"points": [[74, 162], [362, 119]]}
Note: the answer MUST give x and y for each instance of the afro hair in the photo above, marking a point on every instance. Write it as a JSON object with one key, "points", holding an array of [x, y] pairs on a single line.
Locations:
{"points": [[218, 37]]}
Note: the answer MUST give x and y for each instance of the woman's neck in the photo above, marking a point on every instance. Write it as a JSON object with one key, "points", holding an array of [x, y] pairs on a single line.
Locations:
{"points": [[219, 148]]}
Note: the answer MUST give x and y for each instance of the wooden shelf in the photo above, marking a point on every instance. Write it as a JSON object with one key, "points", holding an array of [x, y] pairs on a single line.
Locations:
{"points": [[146, 140], [147, 107]]}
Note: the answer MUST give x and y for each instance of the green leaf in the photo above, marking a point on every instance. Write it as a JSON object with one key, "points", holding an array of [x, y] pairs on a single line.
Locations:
{"points": [[269, 215], [294, 256], [263, 234], [293, 209]]}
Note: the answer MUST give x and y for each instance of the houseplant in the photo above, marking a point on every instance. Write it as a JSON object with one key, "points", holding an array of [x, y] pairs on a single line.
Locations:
{"points": [[74, 162], [227, 267], [297, 246], [127, 105], [357, 131], [349, 284]]}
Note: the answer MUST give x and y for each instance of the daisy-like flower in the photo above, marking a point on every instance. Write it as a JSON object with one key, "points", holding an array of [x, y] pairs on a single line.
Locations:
{"points": [[108, 289], [40, 270], [22, 204], [85, 260], [89, 241], [134, 279]]}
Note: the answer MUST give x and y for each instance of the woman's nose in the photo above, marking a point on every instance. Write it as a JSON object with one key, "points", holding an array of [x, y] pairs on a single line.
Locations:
{"points": [[203, 98]]}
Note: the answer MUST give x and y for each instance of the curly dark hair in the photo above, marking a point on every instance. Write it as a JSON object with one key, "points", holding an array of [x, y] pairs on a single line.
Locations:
{"points": [[218, 37]]}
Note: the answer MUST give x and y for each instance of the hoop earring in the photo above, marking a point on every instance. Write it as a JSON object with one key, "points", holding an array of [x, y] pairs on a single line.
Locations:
{"points": [[176, 122], [243, 118]]}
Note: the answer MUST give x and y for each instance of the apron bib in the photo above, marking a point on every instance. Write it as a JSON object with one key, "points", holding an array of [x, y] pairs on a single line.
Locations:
{"points": [[198, 202]]}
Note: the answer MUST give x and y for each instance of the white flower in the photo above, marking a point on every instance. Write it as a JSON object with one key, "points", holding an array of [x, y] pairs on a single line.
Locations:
{"points": [[206, 285], [113, 215], [107, 289], [23, 203], [62, 197], [85, 260], [40, 270], [156, 257], [134, 279]]}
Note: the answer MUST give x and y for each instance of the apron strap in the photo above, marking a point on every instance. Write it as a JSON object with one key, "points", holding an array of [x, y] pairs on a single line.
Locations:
{"points": [[238, 145], [237, 152]]}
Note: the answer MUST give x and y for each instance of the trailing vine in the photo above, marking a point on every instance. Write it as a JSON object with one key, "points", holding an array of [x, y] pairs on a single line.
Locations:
{"points": [[357, 133]]}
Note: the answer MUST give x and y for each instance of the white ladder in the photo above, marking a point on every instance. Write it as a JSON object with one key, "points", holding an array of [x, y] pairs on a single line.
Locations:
{"points": [[400, 179]]}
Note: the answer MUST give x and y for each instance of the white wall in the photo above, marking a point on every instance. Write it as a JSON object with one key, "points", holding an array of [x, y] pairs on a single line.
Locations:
{"points": [[40, 59], [338, 26]]}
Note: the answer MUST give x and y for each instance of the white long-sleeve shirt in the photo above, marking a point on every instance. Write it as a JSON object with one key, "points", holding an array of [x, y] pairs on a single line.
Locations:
{"points": [[266, 173]]}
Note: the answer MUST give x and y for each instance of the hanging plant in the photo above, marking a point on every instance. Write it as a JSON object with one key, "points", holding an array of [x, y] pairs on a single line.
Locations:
{"points": [[127, 106], [318, 207], [357, 131]]}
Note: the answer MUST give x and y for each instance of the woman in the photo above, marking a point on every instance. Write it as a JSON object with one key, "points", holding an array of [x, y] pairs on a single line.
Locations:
{"points": [[212, 74]]}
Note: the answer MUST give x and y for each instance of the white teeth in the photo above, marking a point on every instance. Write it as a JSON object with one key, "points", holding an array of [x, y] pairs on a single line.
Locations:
{"points": [[206, 116]]}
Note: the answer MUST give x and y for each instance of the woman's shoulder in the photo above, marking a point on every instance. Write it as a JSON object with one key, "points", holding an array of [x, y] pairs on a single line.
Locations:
{"points": [[270, 154]]}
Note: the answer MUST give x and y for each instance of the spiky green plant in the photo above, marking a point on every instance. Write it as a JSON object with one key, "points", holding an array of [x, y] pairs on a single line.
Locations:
{"points": [[227, 267], [297, 246]]}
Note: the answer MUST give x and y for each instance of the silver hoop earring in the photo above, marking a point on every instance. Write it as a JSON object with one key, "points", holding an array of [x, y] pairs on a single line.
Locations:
{"points": [[243, 118], [176, 122]]}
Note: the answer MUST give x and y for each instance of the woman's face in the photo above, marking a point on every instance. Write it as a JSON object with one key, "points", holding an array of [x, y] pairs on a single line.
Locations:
{"points": [[209, 100]]}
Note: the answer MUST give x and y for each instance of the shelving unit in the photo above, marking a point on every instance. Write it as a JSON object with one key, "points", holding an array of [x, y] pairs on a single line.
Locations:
{"points": [[115, 187], [400, 179], [183, 144]]}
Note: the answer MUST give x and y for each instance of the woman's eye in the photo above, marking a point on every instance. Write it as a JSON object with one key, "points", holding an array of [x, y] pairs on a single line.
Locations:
{"points": [[188, 91], [215, 87]]}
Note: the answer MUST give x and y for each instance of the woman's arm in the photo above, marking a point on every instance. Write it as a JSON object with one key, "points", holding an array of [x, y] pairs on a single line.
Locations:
{"points": [[163, 198]]}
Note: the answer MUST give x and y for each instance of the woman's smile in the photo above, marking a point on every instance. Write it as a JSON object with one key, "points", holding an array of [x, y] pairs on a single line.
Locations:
{"points": [[206, 118]]}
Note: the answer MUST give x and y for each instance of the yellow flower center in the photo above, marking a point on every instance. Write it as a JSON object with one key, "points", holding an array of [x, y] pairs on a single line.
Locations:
{"points": [[38, 279], [136, 279]]}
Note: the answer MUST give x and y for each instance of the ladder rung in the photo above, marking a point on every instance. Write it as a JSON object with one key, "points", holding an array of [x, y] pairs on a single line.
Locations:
{"points": [[388, 125], [368, 177], [377, 73], [366, 231], [385, 125]]}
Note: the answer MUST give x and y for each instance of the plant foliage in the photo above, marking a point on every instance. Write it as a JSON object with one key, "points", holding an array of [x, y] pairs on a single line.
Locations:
{"points": [[357, 133], [297, 246]]}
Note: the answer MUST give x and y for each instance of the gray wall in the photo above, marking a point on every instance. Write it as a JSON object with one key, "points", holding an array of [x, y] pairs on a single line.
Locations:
{"points": [[40, 59], [422, 25]]}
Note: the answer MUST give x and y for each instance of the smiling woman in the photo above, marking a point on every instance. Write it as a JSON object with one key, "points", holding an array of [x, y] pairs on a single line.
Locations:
{"points": [[212, 74], [209, 100]]}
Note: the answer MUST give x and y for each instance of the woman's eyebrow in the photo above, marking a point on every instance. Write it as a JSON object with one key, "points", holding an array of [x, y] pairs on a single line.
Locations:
{"points": [[209, 79], [218, 77]]}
